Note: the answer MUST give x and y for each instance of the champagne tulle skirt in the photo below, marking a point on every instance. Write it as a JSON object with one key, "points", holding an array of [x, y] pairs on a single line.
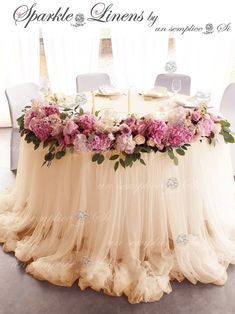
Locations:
{"points": [[126, 232]]}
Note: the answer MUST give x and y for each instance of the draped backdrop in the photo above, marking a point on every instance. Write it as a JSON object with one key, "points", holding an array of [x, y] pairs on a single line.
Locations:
{"points": [[139, 56], [69, 54], [19, 63], [208, 59]]}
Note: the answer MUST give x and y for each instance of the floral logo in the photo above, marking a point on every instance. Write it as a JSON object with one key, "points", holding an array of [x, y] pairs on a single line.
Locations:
{"points": [[170, 66], [79, 20], [209, 29]]}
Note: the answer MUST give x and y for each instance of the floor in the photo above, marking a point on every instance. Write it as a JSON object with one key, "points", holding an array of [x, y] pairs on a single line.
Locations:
{"points": [[22, 294]]}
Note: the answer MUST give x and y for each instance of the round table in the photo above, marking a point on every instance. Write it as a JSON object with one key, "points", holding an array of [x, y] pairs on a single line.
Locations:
{"points": [[125, 232]]}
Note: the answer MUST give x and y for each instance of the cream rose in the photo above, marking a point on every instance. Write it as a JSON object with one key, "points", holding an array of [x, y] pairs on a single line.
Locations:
{"points": [[139, 139], [151, 143], [216, 128]]}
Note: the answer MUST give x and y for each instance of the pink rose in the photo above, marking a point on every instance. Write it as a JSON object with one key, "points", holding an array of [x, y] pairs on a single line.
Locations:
{"points": [[80, 143], [70, 128], [195, 116], [125, 129], [205, 126], [125, 144], [51, 109]]}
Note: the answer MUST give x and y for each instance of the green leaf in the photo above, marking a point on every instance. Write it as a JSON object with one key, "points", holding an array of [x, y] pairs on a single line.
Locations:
{"points": [[116, 165], [81, 111], [226, 129], [228, 138], [97, 113], [45, 144], [145, 149], [137, 149], [95, 157], [122, 163], [176, 162], [49, 156], [184, 147], [20, 121], [128, 160], [142, 161], [51, 148], [36, 145], [100, 159], [63, 116], [60, 154], [114, 157], [170, 153], [180, 151], [224, 123]]}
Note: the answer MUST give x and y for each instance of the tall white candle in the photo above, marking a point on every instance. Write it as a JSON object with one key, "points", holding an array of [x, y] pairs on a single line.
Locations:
{"points": [[93, 102], [129, 101]]}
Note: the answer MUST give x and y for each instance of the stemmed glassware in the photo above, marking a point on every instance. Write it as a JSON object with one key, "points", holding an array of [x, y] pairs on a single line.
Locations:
{"points": [[176, 86]]}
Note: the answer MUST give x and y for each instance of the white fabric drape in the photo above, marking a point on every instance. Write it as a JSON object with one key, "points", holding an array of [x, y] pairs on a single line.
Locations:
{"points": [[126, 232], [69, 54], [19, 63], [208, 60], [138, 57]]}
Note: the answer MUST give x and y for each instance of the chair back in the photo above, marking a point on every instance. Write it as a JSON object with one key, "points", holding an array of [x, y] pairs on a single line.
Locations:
{"points": [[91, 81], [227, 109], [165, 79], [18, 97], [227, 105]]}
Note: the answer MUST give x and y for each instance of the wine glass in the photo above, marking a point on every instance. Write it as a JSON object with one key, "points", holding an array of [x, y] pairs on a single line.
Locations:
{"points": [[203, 96], [176, 86]]}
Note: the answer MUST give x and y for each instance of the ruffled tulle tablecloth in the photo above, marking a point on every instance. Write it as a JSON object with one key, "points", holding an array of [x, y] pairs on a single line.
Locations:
{"points": [[126, 232]]}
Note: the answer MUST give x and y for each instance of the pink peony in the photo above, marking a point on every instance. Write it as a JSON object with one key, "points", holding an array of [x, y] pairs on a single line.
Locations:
{"points": [[195, 116], [205, 126], [125, 144], [86, 121], [177, 135], [100, 142], [51, 109], [156, 130], [41, 128]]}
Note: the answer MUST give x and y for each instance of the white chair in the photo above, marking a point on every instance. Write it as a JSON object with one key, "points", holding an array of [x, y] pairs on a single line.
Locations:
{"points": [[165, 80], [227, 109], [91, 81], [18, 97]]}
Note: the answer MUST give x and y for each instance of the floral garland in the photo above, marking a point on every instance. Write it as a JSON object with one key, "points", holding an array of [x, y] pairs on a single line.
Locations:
{"points": [[61, 130]]}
